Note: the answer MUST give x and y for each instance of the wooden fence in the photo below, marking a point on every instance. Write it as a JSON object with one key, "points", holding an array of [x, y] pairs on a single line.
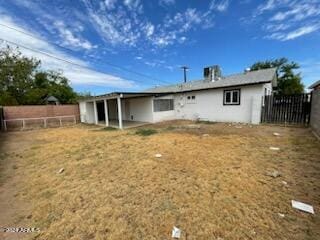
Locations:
{"points": [[286, 109]]}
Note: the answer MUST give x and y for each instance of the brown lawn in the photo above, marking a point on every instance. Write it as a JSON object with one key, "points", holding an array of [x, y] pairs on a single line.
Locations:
{"points": [[211, 186]]}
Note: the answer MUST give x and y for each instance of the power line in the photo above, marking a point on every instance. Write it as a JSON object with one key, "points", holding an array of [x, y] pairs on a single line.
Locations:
{"points": [[61, 59], [107, 63]]}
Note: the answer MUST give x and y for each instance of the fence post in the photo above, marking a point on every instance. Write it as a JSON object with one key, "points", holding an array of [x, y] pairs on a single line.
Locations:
{"points": [[5, 125], [45, 122], [60, 121], [75, 120], [23, 124]]}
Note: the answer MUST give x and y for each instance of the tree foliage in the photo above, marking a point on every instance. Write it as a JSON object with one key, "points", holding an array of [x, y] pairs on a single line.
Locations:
{"points": [[289, 82], [23, 82]]}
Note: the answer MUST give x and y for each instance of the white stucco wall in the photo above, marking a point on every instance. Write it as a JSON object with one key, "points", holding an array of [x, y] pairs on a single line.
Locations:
{"points": [[164, 115], [268, 86], [140, 109], [86, 112], [82, 107], [209, 105]]}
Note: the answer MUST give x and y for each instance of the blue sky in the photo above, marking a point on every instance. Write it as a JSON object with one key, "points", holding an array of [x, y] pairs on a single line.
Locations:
{"points": [[156, 37]]}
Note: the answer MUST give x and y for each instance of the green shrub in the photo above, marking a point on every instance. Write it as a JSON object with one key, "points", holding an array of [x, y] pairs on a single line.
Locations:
{"points": [[171, 128], [109, 128], [205, 122], [146, 132]]}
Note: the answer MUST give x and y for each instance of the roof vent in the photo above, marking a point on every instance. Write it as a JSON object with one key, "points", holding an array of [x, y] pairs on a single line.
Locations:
{"points": [[247, 70], [212, 73]]}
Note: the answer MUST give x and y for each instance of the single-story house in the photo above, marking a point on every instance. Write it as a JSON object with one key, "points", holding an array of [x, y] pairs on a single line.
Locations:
{"points": [[234, 98]]}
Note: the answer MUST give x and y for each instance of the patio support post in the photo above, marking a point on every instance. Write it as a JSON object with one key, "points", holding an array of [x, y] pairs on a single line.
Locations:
{"points": [[119, 112], [95, 112], [106, 112]]}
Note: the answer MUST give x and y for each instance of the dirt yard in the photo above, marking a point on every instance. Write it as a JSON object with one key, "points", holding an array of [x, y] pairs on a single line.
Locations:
{"points": [[212, 182]]}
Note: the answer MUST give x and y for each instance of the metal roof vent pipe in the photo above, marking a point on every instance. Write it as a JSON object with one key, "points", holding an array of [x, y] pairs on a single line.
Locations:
{"points": [[247, 70]]}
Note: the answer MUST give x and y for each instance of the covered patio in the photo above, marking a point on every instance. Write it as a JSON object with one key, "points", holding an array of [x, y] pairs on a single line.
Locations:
{"points": [[120, 110], [125, 124]]}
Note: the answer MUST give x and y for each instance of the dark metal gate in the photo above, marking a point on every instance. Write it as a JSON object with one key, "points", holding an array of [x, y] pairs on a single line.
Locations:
{"points": [[287, 109]]}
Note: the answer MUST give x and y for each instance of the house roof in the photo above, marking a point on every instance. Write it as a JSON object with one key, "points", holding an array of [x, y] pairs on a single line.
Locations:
{"points": [[52, 99], [312, 86], [248, 78]]}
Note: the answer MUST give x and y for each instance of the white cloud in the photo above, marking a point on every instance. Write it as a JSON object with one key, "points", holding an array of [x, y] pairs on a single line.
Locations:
{"points": [[69, 38], [167, 2], [155, 63], [298, 12], [117, 28], [267, 6], [52, 18], [296, 33], [129, 28], [288, 20], [182, 39], [133, 5], [120, 24], [220, 6], [149, 28], [76, 74], [110, 4]]}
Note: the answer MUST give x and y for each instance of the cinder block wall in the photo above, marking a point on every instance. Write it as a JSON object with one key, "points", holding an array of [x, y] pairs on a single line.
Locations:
{"points": [[315, 112], [38, 111]]}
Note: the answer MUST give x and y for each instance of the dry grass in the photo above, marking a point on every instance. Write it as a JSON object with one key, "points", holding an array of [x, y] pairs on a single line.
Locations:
{"points": [[212, 187]]}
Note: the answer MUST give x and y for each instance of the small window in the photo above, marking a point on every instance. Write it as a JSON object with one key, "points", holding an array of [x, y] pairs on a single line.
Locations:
{"points": [[160, 105], [191, 99], [231, 97]]}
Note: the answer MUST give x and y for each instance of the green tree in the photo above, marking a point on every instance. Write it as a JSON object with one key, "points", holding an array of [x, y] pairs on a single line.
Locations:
{"points": [[60, 88], [16, 75], [289, 82], [84, 95], [22, 81]]}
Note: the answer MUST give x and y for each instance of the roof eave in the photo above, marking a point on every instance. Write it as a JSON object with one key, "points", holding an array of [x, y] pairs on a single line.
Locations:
{"points": [[314, 85]]}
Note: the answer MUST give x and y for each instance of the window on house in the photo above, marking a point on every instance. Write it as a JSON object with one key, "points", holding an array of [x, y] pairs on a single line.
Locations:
{"points": [[160, 105], [191, 99], [231, 97]]}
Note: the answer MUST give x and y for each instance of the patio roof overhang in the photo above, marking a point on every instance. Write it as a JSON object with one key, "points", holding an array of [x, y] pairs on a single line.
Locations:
{"points": [[115, 95]]}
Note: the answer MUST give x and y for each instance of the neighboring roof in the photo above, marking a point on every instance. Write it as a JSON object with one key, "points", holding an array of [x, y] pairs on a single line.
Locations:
{"points": [[314, 85], [248, 78], [52, 99]]}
